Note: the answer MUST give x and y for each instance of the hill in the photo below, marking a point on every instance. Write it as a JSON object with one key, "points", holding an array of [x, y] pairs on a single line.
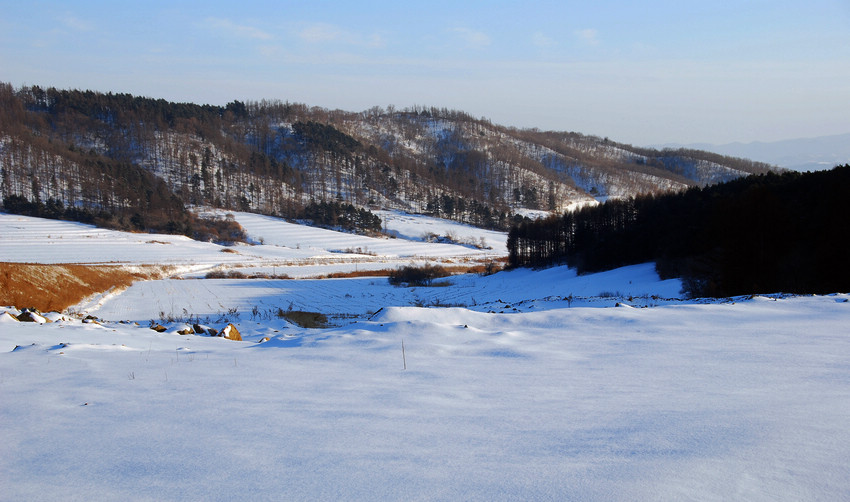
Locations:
{"points": [[138, 162], [800, 154], [773, 232]]}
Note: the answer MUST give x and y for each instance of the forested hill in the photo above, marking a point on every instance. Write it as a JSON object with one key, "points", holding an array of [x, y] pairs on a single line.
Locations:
{"points": [[127, 157], [767, 233]]}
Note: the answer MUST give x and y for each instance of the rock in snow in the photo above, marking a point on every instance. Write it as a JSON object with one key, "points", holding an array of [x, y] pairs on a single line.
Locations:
{"points": [[231, 333], [29, 315]]}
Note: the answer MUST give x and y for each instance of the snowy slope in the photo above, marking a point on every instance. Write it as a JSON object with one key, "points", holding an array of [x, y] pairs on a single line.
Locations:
{"points": [[36, 240], [743, 401], [415, 227], [522, 385], [348, 300], [277, 232]]}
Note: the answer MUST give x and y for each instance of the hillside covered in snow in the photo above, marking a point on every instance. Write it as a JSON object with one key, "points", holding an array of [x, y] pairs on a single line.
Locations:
{"points": [[137, 162]]}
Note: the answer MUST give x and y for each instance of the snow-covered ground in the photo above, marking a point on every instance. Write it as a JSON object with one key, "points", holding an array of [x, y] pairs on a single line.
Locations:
{"points": [[530, 385], [282, 247], [354, 299]]}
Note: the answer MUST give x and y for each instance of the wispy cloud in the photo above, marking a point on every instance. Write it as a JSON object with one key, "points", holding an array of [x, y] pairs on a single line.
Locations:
{"points": [[541, 40], [75, 23], [318, 33], [589, 36], [239, 30], [472, 38]]}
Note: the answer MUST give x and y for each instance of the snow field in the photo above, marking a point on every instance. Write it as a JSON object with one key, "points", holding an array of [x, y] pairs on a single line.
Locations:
{"points": [[347, 300], [710, 402], [276, 232], [535, 385], [295, 250]]}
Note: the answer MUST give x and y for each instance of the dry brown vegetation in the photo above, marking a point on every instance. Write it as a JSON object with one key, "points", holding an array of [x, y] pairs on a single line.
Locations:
{"points": [[305, 319], [58, 287], [359, 273], [237, 274], [489, 268]]}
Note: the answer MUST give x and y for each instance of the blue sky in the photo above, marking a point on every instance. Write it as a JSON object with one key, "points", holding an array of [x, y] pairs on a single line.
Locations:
{"points": [[647, 72]]}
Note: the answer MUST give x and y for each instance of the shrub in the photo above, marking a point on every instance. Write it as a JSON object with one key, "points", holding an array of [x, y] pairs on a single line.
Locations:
{"points": [[221, 274], [417, 276], [220, 230], [304, 319]]}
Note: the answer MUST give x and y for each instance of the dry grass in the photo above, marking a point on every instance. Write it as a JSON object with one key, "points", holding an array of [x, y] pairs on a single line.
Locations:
{"points": [[305, 319], [236, 274], [360, 273], [451, 269], [58, 287]]}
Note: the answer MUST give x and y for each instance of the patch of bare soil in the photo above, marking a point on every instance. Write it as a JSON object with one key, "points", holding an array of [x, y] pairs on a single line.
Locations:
{"points": [[57, 287]]}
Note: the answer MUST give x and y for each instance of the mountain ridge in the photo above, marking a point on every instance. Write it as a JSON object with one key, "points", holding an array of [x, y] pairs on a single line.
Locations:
{"points": [[798, 154], [127, 155]]}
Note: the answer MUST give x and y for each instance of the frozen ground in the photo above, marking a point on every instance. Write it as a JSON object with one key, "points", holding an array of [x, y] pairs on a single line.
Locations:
{"points": [[557, 394], [735, 401], [282, 247], [347, 300]]}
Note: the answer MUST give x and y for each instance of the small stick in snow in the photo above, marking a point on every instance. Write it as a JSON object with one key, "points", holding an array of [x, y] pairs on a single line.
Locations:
{"points": [[403, 358]]}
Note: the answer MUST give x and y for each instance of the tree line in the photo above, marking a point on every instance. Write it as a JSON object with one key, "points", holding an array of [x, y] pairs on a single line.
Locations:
{"points": [[764, 233], [337, 215]]}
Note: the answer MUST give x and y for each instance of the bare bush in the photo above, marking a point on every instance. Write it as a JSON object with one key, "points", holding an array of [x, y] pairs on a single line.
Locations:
{"points": [[417, 276], [304, 319]]}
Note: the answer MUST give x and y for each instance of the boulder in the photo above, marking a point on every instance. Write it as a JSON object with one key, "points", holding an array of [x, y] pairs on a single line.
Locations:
{"points": [[32, 316], [231, 333], [200, 329], [159, 328]]}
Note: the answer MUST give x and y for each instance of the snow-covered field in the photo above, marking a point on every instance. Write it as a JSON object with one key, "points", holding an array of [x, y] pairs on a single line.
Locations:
{"points": [[281, 248], [523, 385]]}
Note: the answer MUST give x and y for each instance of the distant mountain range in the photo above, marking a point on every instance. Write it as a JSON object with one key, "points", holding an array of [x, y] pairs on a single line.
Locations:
{"points": [[803, 154]]}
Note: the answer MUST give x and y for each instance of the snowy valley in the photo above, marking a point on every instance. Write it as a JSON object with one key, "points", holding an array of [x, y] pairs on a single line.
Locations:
{"points": [[515, 385]]}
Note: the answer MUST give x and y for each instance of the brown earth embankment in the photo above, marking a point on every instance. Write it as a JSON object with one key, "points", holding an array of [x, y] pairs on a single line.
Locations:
{"points": [[57, 287]]}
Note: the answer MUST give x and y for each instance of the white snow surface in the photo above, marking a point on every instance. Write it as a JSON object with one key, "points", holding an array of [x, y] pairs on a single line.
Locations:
{"points": [[36, 240], [70, 242], [359, 298], [535, 385], [282, 247], [279, 233]]}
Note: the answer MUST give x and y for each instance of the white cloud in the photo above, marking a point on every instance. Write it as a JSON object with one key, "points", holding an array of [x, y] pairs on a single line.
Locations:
{"points": [[320, 32], [375, 40], [324, 33], [589, 36], [473, 38], [238, 30], [76, 24], [541, 40]]}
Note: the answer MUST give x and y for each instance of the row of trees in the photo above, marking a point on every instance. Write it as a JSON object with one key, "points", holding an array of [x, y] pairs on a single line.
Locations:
{"points": [[764, 233], [342, 216], [221, 230], [52, 209]]}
